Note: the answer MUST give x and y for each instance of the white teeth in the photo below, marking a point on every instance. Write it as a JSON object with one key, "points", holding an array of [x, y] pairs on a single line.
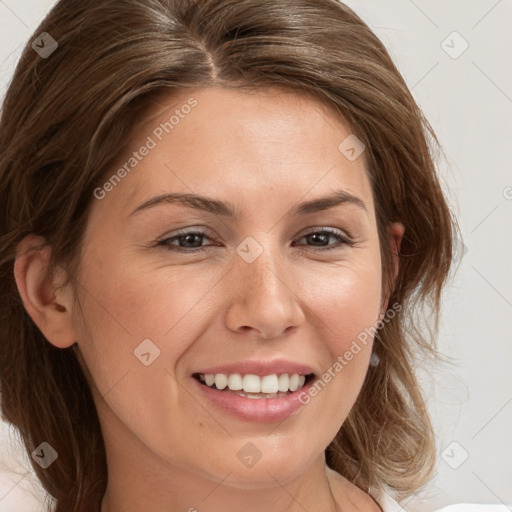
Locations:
{"points": [[261, 395], [235, 382], [221, 381], [294, 382], [284, 382], [269, 384], [254, 384]]}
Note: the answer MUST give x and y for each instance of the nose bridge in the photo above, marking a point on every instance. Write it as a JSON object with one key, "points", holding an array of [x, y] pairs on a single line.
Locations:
{"points": [[263, 297], [262, 262]]}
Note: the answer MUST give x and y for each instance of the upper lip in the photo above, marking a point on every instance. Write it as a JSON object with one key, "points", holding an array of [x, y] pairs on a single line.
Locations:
{"points": [[278, 366]]}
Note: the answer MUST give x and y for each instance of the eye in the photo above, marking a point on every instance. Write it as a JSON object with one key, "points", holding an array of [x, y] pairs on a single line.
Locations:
{"points": [[189, 239], [320, 238]]}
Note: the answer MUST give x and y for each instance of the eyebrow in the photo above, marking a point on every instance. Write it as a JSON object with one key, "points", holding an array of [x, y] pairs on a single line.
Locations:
{"points": [[227, 209]]}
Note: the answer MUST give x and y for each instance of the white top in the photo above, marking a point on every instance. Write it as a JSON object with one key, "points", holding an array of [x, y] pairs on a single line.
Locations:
{"points": [[385, 501], [388, 504]]}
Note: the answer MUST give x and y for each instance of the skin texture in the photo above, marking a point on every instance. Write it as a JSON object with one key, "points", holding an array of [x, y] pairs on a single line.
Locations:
{"points": [[168, 449]]}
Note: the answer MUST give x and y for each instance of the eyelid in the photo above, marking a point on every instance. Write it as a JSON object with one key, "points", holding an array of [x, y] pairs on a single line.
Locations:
{"points": [[344, 239], [188, 230], [210, 234], [326, 229], [192, 230]]}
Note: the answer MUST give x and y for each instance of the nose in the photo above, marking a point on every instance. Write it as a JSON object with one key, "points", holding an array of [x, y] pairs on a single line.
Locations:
{"points": [[264, 297]]}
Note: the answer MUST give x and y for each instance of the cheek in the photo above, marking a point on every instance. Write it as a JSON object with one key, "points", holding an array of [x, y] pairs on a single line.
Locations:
{"points": [[346, 306], [346, 299], [124, 306]]}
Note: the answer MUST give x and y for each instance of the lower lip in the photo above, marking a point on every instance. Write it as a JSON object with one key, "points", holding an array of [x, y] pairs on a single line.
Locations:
{"points": [[259, 410]]}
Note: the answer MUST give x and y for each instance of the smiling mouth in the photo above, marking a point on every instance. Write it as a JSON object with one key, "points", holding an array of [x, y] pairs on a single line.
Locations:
{"points": [[255, 386]]}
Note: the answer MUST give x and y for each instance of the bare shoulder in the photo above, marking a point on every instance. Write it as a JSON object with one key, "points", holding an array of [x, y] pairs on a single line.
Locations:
{"points": [[344, 490]]}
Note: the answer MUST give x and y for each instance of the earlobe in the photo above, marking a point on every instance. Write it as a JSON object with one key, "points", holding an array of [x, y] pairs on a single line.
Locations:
{"points": [[48, 305]]}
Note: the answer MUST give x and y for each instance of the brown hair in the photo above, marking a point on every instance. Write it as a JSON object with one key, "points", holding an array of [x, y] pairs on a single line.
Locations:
{"points": [[67, 117]]}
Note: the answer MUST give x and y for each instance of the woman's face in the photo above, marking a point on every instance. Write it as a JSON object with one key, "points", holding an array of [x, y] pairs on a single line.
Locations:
{"points": [[273, 290]]}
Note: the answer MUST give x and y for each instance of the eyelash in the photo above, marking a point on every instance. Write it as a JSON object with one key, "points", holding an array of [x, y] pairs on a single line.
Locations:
{"points": [[344, 240]]}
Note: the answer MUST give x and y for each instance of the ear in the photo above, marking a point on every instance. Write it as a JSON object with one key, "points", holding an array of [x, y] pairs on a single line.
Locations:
{"points": [[396, 231], [49, 305]]}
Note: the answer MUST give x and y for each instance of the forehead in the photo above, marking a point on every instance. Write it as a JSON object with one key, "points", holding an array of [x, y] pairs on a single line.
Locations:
{"points": [[242, 144]]}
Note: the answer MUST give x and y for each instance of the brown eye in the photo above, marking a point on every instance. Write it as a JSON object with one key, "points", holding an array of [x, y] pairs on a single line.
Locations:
{"points": [[189, 242], [320, 239]]}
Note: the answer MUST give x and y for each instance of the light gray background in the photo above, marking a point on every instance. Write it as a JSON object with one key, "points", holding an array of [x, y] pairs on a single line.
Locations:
{"points": [[468, 100]]}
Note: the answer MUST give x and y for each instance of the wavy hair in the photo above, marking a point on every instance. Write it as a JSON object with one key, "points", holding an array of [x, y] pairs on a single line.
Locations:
{"points": [[67, 117]]}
